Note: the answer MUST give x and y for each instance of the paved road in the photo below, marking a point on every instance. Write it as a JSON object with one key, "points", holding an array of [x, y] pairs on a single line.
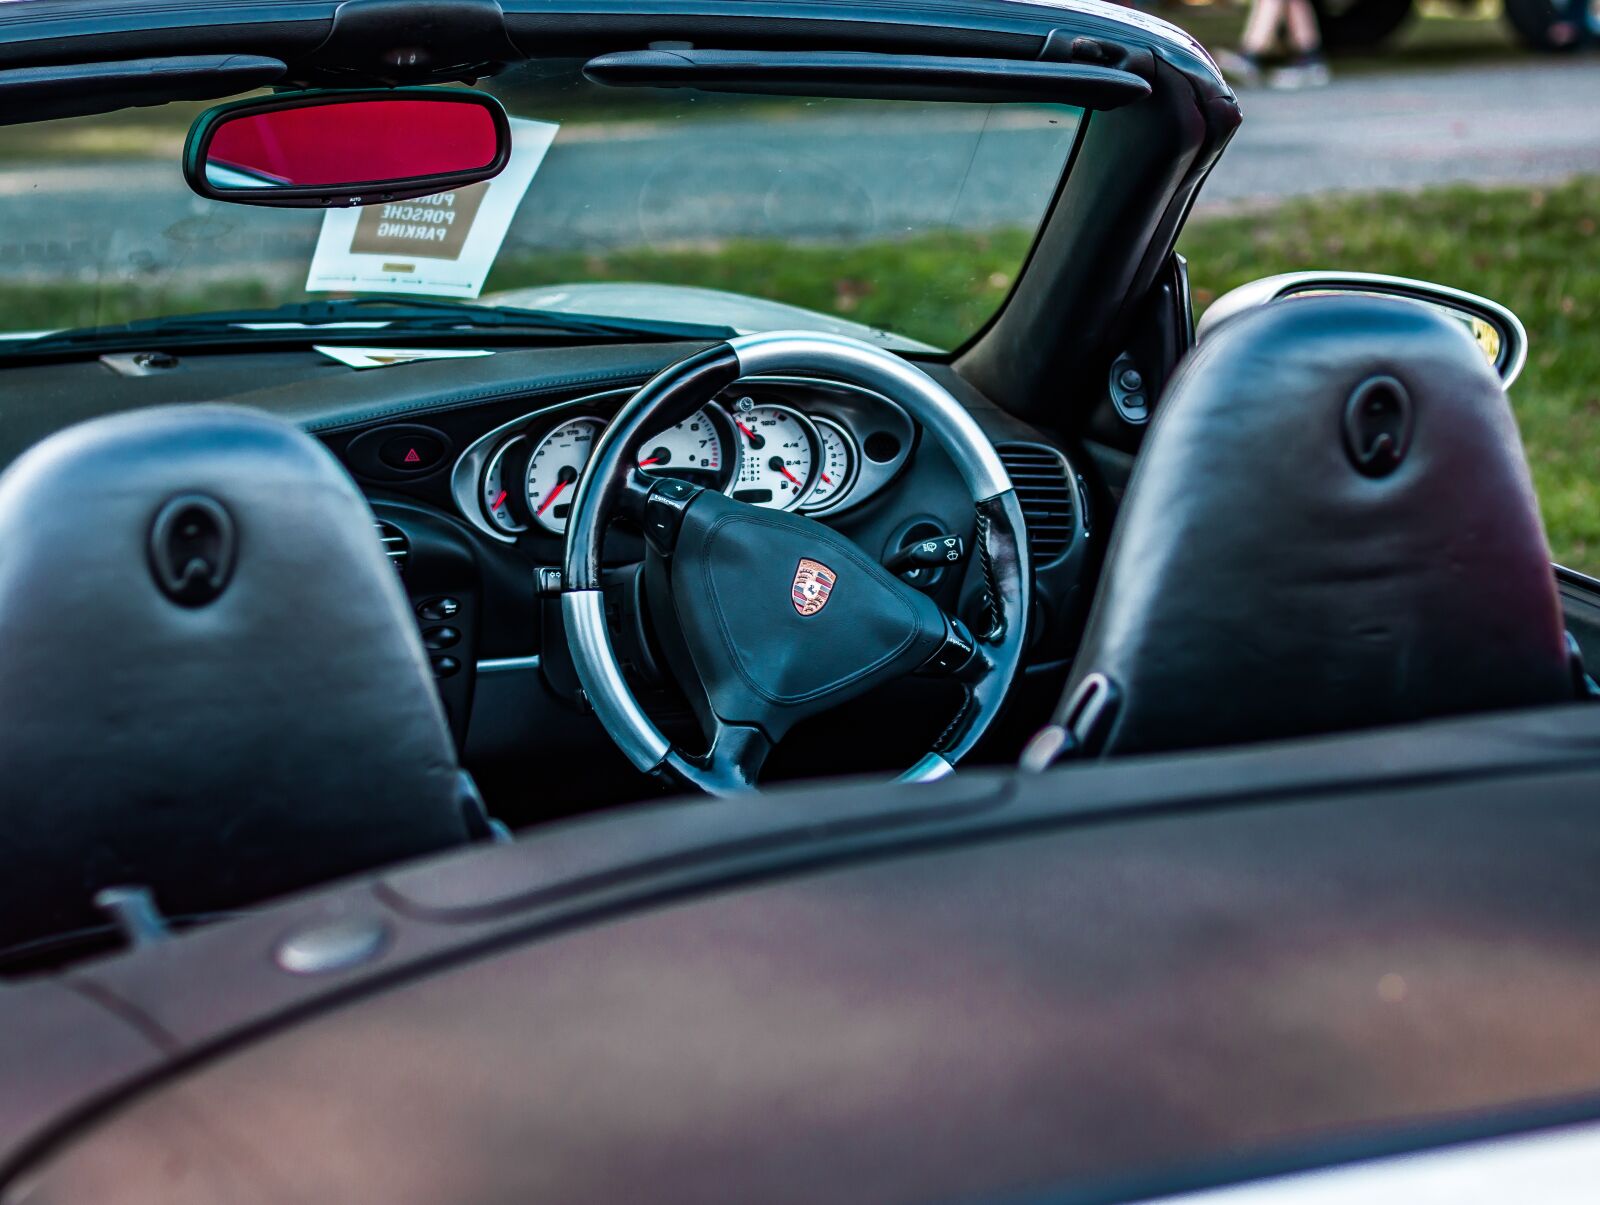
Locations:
{"points": [[828, 177], [1514, 124]]}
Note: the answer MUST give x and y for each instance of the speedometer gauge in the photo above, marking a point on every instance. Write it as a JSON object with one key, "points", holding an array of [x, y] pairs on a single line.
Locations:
{"points": [[837, 471], [554, 468], [777, 456]]}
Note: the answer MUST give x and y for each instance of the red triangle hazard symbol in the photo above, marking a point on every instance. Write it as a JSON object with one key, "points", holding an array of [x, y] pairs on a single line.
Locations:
{"points": [[411, 456]]}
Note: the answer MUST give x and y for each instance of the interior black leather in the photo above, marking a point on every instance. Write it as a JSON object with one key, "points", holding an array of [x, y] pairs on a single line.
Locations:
{"points": [[1331, 526], [761, 659], [222, 698]]}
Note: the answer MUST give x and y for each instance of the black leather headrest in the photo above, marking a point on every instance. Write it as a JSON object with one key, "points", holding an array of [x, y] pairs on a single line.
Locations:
{"points": [[264, 721], [1330, 526]]}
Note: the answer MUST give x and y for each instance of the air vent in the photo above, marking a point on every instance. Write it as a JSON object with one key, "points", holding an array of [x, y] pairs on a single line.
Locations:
{"points": [[1045, 490], [395, 543]]}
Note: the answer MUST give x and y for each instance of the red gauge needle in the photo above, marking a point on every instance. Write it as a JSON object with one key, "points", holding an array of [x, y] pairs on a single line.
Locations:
{"points": [[749, 434], [827, 480], [644, 464], [782, 469], [554, 494], [495, 505]]}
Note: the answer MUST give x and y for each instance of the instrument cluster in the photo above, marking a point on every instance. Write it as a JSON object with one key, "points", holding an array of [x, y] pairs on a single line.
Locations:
{"points": [[783, 443]]}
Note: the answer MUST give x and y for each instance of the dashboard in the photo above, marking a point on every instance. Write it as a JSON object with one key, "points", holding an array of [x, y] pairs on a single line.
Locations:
{"points": [[470, 466]]}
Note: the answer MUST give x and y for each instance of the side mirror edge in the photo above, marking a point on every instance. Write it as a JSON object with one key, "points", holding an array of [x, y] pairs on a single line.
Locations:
{"points": [[1508, 359]]}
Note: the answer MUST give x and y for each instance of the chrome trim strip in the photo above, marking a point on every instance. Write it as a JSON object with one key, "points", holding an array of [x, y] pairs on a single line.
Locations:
{"points": [[780, 352], [584, 614], [507, 665], [496, 461], [1286, 284], [1576, 577], [842, 493], [931, 768]]}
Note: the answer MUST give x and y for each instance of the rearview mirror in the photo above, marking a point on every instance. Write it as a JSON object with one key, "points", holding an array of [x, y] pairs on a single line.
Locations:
{"points": [[1497, 331], [324, 148]]}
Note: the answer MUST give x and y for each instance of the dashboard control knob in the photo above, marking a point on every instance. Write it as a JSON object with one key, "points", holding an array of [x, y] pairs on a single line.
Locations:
{"points": [[439, 608]]}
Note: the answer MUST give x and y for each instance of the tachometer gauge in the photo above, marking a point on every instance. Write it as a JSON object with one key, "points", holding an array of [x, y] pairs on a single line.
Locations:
{"points": [[554, 468], [692, 448], [777, 456], [496, 497], [836, 472]]}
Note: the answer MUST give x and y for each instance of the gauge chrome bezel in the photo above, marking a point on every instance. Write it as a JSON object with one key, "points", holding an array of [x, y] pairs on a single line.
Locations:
{"points": [[807, 428], [496, 464], [466, 476], [856, 409], [591, 420], [841, 492], [841, 402]]}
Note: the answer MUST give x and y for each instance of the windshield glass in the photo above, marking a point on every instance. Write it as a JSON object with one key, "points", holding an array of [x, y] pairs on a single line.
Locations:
{"points": [[908, 217]]}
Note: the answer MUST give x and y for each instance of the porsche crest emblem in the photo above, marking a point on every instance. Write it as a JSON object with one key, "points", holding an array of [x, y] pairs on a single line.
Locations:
{"points": [[813, 582]]}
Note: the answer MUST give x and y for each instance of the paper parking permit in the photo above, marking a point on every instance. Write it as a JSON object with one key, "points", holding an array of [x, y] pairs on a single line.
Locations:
{"points": [[383, 357], [441, 245]]}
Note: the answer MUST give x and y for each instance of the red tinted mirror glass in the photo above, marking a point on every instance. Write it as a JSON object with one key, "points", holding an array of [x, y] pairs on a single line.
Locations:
{"points": [[366, 142]]}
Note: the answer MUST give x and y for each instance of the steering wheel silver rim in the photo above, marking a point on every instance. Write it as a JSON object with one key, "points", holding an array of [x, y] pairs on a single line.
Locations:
{"points": [[829, 356]]}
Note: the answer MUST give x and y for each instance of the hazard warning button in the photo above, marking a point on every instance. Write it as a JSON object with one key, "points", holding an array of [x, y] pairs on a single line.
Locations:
{"points": [[413, 452]]}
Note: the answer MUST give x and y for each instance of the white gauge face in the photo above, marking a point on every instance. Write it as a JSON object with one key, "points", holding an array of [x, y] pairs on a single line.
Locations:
{"points": [[496, 497], [836, 468], [692, 446], [554, 469], [777, 457]]}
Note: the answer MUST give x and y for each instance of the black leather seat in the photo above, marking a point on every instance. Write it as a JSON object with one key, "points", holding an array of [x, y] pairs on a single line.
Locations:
{"points": [[210, 680], [1330, 526]]}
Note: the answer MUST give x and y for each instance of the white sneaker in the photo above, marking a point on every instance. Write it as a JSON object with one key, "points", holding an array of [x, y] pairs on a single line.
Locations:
{"points": [[1306, 73]]}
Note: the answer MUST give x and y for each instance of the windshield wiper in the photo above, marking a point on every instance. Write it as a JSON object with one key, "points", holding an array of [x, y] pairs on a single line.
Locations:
{"points": [[341, 318]]}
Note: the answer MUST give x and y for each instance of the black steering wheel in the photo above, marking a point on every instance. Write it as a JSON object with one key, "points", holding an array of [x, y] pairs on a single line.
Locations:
{"points": [[768, 617]]}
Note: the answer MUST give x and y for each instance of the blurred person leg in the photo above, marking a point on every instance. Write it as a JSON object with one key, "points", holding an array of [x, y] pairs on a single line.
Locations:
{"points": [[1243, 66], [1308, 69]]}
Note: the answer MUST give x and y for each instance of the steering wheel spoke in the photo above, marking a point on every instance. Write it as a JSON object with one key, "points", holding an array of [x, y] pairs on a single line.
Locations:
{"points": [[732, 763], [737, 754]]}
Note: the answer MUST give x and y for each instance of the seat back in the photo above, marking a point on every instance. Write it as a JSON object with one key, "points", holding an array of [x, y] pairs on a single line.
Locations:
{"points": [[212, 684], [1330, 526]]}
